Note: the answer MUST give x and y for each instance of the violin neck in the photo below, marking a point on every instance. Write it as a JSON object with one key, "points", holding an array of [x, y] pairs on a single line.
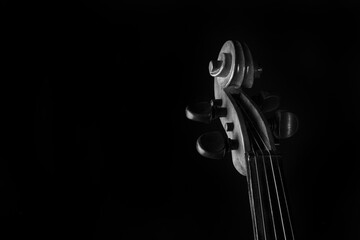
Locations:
{"points": [[269, 208]]}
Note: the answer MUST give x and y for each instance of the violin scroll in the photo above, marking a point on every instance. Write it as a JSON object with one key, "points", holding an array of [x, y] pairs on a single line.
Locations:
{"points": [[234, 66]]}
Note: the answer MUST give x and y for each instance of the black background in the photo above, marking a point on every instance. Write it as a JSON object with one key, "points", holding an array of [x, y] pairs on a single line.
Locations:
{"points": [[96, 143]]}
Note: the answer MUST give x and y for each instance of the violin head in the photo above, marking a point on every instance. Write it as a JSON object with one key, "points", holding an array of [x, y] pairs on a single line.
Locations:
{"points": [[243, 118]]}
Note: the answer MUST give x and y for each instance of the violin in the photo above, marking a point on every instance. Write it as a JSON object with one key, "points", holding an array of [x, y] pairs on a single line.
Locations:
{"points": [[253, 128]]}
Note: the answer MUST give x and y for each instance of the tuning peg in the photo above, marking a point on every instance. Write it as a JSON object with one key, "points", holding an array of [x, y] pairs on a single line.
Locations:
{"points": [[270, 102], [284, 124], [200, 112], [267, 102], [205, 112], [214, 145]]}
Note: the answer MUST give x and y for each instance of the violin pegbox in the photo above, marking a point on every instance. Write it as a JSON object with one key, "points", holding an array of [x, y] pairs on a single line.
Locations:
{"points": [[234, 70]]}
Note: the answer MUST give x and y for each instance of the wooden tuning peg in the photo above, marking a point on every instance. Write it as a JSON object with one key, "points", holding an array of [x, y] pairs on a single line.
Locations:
{"points": [[214, 145], [284, 124], [205, 112], [200, 112], [267, 102]]}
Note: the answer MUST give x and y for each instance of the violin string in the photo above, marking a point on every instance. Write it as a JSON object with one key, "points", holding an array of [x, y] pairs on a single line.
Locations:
{"points": [[269, 153], [273, 173], [268, 189], [285, 200], [266, 178], [286, 204], [252, 200], [277, 195], [260, 197]]}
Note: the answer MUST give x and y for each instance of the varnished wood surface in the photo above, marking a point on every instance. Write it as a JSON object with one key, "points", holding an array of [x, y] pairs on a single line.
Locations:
{"points": [[97, 144]]}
